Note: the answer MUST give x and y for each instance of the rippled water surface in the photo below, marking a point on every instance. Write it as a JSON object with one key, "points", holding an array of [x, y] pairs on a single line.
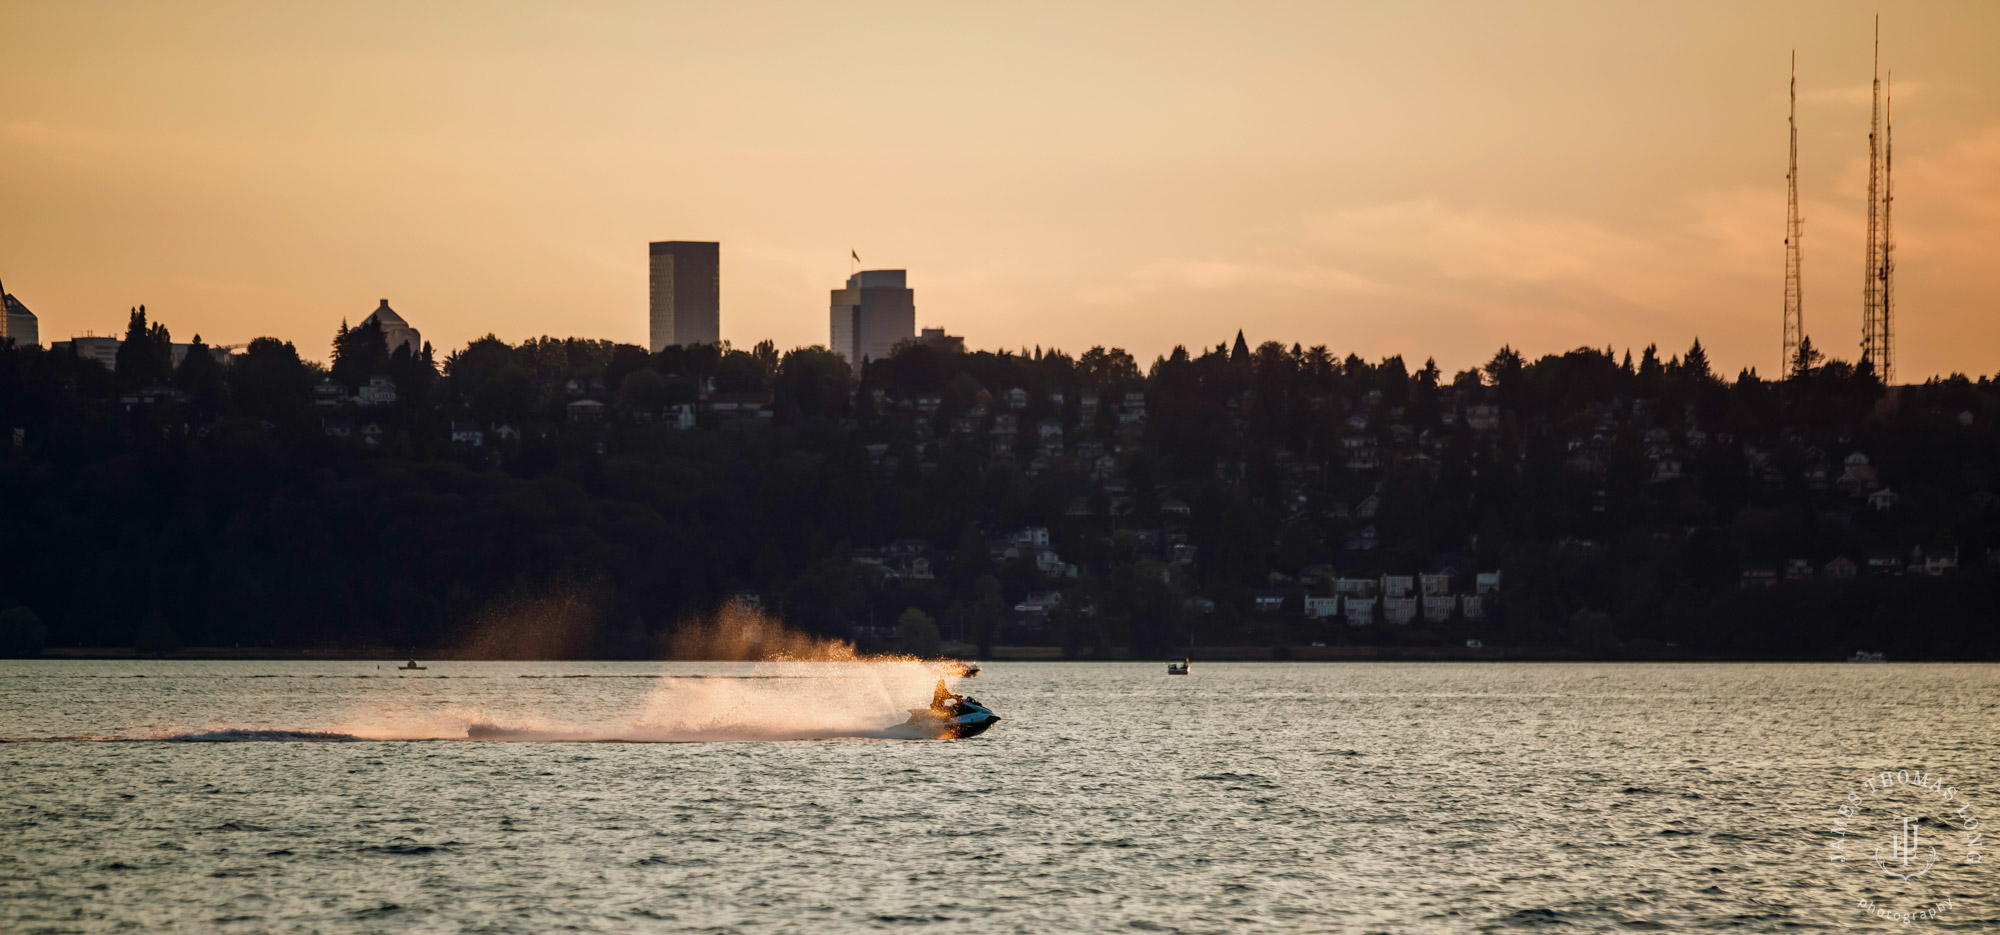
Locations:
{"points": [[1248, 797]]}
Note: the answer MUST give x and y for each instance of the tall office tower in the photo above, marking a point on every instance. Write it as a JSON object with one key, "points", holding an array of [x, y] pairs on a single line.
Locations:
{"points": [[875, 312], [686, 293], [22, 328]]}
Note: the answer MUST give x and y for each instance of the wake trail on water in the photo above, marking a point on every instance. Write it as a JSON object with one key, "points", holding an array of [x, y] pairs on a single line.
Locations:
{"points": [[801, 688], [793, 699], [493, 733]]}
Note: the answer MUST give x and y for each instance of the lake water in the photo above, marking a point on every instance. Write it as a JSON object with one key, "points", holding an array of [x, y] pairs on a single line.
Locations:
{"points": [[1245, 797]]}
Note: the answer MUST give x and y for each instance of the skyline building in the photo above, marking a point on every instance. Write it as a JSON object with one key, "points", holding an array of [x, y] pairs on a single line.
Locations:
{"points": [[685, 297], [937, 340], [22, 325], [395, 330], [16, 322], [104, 350], [100, 348], [875, 312]]}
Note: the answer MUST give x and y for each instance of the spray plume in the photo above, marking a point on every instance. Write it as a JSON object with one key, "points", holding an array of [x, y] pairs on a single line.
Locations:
{"points": [[786, 686], [741, 633]]}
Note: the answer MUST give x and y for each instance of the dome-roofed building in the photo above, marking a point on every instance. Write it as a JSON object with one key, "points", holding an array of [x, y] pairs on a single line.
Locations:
{"points": [[394, 328]]}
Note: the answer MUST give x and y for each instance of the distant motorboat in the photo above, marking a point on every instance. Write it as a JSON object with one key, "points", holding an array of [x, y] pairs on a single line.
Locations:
{"points": [[962, 669], [1865, 656], [411, 666], [1179, 668]]}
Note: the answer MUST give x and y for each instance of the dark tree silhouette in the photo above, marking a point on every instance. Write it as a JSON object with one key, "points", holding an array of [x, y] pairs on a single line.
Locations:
{"points": [[1006, 497]]}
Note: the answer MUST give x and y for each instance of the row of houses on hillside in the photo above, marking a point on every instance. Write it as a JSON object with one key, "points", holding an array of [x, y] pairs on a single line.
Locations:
{"points": [[1935, 563], [377, 391], [908, 558], [1390, 599], [1394, 611]]}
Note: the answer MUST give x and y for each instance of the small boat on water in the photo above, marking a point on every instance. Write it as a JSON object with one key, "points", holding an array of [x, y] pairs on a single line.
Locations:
{"points": [[411, 666], [961, 669], [1865, 656], [1179, 668]]}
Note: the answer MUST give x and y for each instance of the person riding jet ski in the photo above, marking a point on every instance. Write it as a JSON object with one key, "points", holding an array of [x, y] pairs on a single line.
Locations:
{"points": [[951, 716], [944, 702]]}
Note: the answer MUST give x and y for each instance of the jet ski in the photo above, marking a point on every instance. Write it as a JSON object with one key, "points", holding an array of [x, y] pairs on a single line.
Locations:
{"points": [[951, 717], [962, 669]]}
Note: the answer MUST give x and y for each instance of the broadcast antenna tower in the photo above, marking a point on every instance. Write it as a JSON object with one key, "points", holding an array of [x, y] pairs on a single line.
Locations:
{"points": [[1795, 320], [1875, 292], [1885, 350]]}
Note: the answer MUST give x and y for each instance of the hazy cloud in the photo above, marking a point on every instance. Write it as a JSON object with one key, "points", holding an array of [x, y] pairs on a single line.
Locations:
{"points": [[1472, 244], [1862, 93], [1176, 274]]}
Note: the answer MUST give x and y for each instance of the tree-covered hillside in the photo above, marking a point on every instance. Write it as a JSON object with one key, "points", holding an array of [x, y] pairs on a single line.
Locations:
{"points": [[575, 497]]}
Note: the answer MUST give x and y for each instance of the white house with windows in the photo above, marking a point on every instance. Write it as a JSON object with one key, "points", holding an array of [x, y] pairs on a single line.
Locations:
{"points": [[1049, 563], [1355, 587], [378, 391]]}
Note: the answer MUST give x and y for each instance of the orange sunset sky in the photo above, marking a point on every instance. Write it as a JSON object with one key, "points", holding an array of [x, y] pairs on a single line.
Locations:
{"points": [[1430, 179]]}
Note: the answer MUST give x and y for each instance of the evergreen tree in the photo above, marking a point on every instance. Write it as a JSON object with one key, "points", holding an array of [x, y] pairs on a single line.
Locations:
{"points": [[1428, 377], [200, 377], [1694, 365], [269, 381], [146, 356], [1806, 361], [414, 374], [1650, 371], [813, 382], [134, 350], [1393, 377], [917, 634], [1504, 372], [359, 353]]}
